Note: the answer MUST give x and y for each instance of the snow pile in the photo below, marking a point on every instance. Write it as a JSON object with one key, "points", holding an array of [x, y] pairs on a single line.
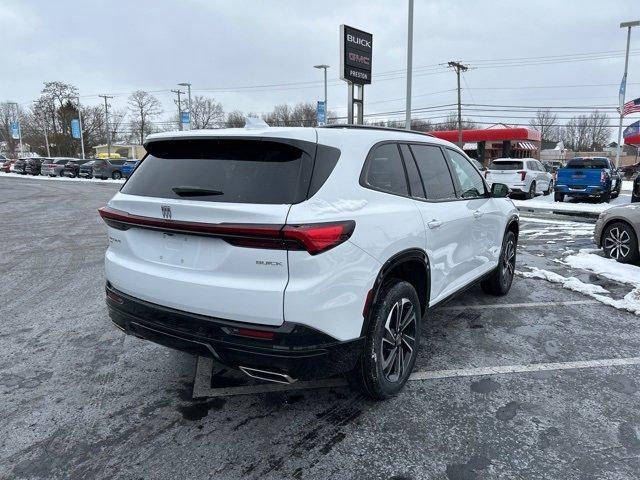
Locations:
{"points": [[571, 283], [606, 267], [630, 302], [627, 185], [59, 179]]}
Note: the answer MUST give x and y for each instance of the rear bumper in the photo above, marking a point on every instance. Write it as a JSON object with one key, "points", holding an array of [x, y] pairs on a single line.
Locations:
{"points": [[295, 350], [575, 192]]}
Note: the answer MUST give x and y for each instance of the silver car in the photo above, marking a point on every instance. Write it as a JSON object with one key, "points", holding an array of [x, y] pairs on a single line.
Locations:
{"points": [[617, 232], [53, 166]]}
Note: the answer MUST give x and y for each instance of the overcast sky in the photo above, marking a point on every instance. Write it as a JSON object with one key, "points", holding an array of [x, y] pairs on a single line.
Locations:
{"points": [[114, 46]]}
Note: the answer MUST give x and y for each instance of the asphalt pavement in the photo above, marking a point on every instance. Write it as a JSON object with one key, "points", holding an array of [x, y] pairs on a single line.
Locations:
{"points": [[542, 383]]}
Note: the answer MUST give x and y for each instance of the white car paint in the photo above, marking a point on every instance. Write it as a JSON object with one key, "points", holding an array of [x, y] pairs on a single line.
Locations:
{"points": [[533, 171], [326, 291]]}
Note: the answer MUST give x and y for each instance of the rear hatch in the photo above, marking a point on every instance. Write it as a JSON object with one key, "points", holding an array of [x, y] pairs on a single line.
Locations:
{"points": [[196, 225], [508, 172]]}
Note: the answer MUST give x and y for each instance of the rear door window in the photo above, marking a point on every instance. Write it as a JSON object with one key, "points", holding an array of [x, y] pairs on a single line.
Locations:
{"points": [[415, 182], [384, 170], [434, 171], [236, 171]]}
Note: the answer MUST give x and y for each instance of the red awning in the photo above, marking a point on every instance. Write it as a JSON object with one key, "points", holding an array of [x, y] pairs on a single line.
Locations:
{"points": [[489, 134]]}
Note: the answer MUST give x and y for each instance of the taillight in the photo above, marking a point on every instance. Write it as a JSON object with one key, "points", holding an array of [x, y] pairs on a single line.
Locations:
{"points": [[523, 174], [314, 238], [603, 176]]}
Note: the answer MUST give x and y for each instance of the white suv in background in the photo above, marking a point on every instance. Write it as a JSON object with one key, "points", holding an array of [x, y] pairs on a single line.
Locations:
{"points": [[299, 253], [522, 175]]}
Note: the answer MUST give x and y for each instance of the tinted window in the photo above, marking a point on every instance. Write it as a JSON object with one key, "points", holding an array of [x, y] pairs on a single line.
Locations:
{"points": [[384, 170], [434, 171], [470, 180], [588, 163], [415, 184], [239, 171], [505, 165]]}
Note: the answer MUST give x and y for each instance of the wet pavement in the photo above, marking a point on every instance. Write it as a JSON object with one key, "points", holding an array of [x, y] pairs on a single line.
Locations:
{"points": [[78, 399]]}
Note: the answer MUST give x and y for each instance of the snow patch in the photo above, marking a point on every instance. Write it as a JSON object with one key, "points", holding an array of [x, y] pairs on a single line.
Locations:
{"points": [[58, 179], [607, 267]]}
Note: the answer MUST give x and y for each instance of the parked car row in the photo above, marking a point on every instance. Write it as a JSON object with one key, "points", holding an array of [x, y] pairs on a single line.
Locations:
{"points": [[71, 167]]}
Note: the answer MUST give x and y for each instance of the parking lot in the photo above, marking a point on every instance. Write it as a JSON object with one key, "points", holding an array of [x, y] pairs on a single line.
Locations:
{"points": [[542, 383]]}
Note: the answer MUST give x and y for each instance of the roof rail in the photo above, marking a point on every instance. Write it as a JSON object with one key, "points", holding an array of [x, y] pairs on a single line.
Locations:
{"points": [[374, 127]]}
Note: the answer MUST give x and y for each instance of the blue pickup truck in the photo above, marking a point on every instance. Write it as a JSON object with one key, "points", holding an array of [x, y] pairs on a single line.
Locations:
{"points": [[594, 177]]}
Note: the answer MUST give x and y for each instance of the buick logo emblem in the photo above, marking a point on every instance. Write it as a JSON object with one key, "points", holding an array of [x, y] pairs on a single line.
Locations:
{"points": [[166, 212]]}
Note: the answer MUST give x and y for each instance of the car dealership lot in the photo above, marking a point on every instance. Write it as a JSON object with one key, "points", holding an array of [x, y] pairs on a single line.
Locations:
{"points": [[79, 398]]}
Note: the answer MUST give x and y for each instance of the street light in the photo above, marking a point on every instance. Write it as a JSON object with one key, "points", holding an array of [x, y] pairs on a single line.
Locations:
{"points": [[188, 85], [324, 67], [623, 85]]}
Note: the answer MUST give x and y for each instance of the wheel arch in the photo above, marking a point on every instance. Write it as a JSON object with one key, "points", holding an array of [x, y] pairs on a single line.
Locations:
{"points": [[513, 224], [411, 265]]}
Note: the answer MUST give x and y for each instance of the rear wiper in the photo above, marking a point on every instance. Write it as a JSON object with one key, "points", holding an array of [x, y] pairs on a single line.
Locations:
{"points": [[195, 192]]}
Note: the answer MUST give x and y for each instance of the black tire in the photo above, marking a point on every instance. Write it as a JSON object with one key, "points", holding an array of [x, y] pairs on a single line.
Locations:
{"points": [[558, 197], [619, 241], [605, 197], [116, 175], [532, 191], [616, 193], [500, 280], [548, 190], [61, 174], [376, 380]]}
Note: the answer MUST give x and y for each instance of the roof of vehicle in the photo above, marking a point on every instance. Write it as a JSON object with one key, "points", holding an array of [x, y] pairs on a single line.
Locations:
{"points": [[311, 134]]}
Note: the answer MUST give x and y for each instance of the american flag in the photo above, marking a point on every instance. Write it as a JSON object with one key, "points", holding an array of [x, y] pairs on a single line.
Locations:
{"points": [[630, 107]]}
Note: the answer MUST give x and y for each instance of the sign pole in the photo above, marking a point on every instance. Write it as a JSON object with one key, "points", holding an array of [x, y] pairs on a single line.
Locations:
{"points": [[350, 104], [80, 122]]}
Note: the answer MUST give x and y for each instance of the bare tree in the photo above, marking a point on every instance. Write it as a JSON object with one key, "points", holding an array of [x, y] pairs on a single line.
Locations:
{"points": [[587, 132], [143, 107], [235, 119], [599, 131], [546, 122], [206, 113], [7, 116], [451, 123]]}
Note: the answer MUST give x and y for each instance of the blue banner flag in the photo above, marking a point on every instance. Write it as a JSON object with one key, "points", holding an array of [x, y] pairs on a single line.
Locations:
{"points": [[75, 128], [15, 130], [321, 114]]}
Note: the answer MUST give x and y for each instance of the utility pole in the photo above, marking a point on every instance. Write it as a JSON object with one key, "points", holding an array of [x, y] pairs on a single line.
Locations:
{"points": [[106, 119], [623, 85], [179, 92], [407, 119], [459, 67]]}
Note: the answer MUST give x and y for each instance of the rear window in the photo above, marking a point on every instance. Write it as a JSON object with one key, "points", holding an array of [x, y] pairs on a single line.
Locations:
{"points": [[506, 165], [237, 171], [588, 163]]}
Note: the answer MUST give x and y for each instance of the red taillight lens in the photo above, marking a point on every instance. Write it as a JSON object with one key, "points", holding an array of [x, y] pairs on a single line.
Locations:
{"points": [[603, 177], [319, 237], [247, 332], [523, 174]]}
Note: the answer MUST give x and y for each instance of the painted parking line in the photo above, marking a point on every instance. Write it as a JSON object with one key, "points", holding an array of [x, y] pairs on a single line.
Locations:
{"points": [[519, 305], [202, 387]]}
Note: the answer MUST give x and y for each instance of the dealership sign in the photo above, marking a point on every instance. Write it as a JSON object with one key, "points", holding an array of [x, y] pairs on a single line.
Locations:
{"points": [[356, 48]]}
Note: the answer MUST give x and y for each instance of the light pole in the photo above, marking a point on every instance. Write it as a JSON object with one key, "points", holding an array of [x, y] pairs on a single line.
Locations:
{"points": [[188, 85], [407, 116], [324, 67], [623, 85]]}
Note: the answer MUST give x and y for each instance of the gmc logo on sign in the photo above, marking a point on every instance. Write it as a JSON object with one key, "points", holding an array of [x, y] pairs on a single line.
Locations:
{"points": [[355, 57]]}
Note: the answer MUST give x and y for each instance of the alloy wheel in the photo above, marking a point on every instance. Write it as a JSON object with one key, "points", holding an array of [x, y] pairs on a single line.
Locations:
{"points": [[398, 340], [617, 243], [508, 260]]}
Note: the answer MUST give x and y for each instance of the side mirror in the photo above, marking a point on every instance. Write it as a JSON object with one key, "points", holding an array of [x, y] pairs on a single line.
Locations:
{"points": [[499, 190]]}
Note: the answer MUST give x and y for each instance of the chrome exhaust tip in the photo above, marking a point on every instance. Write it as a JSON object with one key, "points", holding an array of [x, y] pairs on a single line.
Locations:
{"points": [[268, 376]]}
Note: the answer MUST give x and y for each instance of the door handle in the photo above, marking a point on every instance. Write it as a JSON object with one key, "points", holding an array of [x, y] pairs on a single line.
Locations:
{"points": [[434, 223], [477, 213]]}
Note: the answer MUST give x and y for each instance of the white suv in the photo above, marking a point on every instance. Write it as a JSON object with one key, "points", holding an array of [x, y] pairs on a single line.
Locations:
{"points": [[299, 253], [522, 175]]}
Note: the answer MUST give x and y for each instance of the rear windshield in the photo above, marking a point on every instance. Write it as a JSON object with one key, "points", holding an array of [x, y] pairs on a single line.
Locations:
{"points": [[588, 163], [238, 171], [506, 165]]}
